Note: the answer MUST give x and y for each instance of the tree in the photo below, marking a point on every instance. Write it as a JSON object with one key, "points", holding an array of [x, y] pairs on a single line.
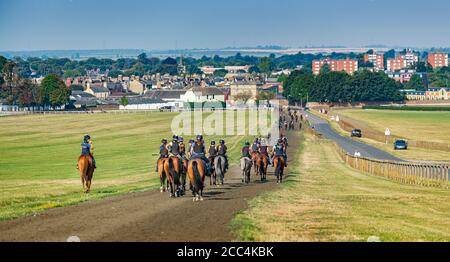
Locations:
{"points": [[124, 101], [220, 73], [266, 65], [264, 95], [243, 97], [27, 93], [415, 83], [53, 91], [10, 82], [325, 69]]}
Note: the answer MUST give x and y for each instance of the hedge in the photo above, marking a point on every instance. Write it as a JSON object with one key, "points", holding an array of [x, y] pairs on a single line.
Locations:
{"points": [[409, 108]]}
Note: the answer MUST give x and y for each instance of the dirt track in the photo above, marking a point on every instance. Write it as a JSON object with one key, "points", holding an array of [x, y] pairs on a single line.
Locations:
{"points": [[146, 216]]}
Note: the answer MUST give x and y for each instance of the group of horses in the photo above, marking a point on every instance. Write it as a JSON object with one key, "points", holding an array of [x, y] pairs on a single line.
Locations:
{"points": [[260, 163], [173, 173]]}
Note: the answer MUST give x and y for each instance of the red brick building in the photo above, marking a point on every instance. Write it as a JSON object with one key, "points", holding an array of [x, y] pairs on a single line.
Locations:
{"points": [[377, 59], [438, 59], [348, 65], [402, 61]]}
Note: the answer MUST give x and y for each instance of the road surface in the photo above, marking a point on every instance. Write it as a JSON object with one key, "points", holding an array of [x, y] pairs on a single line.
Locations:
{"points": [[348, 144], [146, 216]]}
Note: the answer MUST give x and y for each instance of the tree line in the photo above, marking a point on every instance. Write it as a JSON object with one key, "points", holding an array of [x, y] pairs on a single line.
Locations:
{"points": [[23, 92], [339, 87]]}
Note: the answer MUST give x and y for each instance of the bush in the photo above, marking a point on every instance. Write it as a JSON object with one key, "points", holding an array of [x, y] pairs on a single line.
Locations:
{"points": [[409, 108]]}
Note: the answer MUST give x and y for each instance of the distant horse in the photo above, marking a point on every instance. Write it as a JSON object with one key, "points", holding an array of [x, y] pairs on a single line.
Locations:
{"points": [[246, 167], [255, 156], [172, 169], [162, 175], [86, 168], [279, 168], [262, 166], [219, 170], [196, 174]]}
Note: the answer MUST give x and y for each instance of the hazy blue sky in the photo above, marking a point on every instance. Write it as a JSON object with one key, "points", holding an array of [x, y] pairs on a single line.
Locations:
{"points": [[166, 24]]}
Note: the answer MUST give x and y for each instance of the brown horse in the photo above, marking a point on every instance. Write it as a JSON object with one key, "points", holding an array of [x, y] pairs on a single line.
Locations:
{"points": [[196, 173], [86, 168], [255, 157], [172, 169], [279, 168], [262, 166], [162, 175]]}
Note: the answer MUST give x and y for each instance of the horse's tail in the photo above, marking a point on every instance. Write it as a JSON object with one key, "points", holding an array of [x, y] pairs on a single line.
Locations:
{"points": [[173, 173], [198, 183], [261, 165], [278, 167], [219, 166]]}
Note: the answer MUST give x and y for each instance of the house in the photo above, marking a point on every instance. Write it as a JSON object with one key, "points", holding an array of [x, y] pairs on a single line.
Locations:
{"points": [[431, 94], [203, 94], [243, 87], [99, 92], [81, 99], [140, 86], [142, 103], [173, 97]]}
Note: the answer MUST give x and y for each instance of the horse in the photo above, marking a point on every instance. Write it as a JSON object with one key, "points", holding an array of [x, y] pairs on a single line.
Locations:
{"points": [[279, 168], [86, 168], [219, 169], [255, 156], [172, 169], [196, 173], [262, 166], [246, 167], [184, 163], [162, 175]]}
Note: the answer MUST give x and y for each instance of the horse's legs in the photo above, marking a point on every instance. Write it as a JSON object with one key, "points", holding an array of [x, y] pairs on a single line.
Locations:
{"points": [[82, 183]]}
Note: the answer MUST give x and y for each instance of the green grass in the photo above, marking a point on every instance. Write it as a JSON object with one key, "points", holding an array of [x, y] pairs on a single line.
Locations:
{"points": [[325, 200], [39, 153], [422, 126]]}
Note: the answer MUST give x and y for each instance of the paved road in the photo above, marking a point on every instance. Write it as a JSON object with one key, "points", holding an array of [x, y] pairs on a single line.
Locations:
{"points": [[349, 145]]}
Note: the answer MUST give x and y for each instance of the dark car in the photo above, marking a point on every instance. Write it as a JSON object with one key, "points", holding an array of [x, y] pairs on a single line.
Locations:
{"points": [[356, 133], [400, 144], [166, 108]]}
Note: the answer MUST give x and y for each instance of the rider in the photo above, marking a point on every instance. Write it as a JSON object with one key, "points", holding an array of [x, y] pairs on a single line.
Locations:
{"points": [[191, 145], [87, 149], [264, 150], [245, 152], [222, 151], [182, 146], [255, 145], [163, 152], [174, 148], [198, 151], [212, 152], [280, 150]]}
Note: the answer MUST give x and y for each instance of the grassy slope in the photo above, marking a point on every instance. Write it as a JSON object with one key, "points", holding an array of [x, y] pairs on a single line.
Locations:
{"points": [[39, 153], [423, 126], [324, 200]]}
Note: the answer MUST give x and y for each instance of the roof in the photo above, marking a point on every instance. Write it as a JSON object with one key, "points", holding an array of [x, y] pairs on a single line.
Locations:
{"points": [[439, 89], [203, 91], [165, 94], [81, 94], [100, 90]]}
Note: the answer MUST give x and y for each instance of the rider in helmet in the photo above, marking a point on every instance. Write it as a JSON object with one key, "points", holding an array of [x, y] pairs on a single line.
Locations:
{"points": [[280, 150], [264, 150], [174, 149], [245, 152], [222, 151], [255, 145], [191, 145], [87, 149], [212, 152], [182, 147], [163, 152], [198, 151]]}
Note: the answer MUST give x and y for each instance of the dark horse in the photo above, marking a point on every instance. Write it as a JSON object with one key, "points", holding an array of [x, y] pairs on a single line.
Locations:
{"points": [[262, 166], [279, 168], [86, 168], [196, 174], [172, 169]]}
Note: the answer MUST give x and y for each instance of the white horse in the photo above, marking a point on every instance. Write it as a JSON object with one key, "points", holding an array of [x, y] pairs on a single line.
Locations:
{"points": [[246, 167], [219, 170]]}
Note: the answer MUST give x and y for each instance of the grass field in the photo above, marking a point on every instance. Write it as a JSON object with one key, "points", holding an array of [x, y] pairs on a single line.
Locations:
{"points": [[422, 126], [39, 153], [325, 200]]}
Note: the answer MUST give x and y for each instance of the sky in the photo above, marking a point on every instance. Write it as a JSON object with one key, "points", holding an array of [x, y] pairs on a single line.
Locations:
{"points": [[186, 24]]}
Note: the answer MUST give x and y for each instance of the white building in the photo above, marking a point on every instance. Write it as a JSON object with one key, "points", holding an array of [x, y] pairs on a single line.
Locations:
{"points": [[203, 94]]}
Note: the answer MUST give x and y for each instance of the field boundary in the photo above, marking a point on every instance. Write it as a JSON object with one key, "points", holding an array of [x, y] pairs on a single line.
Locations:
{"points": [[412, 173]]}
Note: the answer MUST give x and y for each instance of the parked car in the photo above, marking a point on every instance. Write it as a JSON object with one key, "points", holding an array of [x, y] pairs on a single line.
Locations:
{"points": [[166, 108], [356, 133], [400, 144]]}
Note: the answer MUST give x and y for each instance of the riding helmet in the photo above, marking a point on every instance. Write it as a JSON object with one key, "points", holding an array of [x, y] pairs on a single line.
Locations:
{"points": [[213, 143], [87, 137], [222, 142], [164, 141], [180, 139], [199, 137]]}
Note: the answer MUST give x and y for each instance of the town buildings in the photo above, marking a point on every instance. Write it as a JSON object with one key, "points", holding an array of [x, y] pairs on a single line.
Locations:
{"points": [[431, 94], [402, 61], [377, 59], [438, 59], [349, 66]]}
